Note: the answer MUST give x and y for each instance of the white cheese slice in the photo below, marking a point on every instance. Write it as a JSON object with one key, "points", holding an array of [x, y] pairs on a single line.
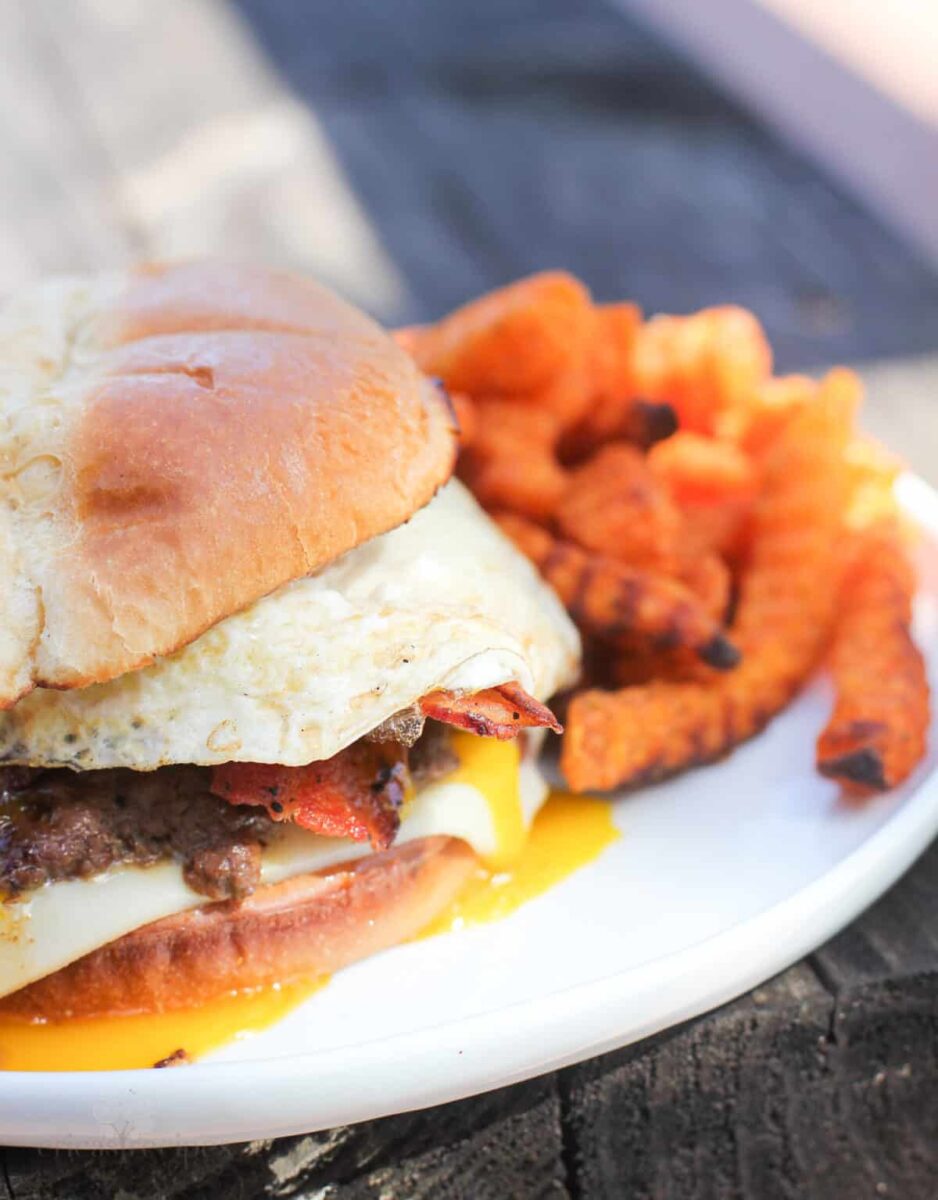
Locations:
{"points": [[64, 921]]}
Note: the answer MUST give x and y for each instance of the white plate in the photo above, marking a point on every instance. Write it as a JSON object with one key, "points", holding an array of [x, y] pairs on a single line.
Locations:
{"points": [[721, 879]]}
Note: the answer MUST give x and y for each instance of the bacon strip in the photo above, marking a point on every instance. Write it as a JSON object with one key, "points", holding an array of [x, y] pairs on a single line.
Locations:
{"points": [[500, 712], [358, 792], [355, 794]]}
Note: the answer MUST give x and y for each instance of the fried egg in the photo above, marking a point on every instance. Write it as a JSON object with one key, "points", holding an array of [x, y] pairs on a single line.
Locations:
{"points": [[444, 601]]}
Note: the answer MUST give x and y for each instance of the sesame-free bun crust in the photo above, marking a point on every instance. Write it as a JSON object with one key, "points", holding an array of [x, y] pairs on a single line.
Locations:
{"points": [[180, 440], [303, 927]]}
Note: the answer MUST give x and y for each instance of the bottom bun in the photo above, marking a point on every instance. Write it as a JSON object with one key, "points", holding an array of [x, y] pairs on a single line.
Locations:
{"points": [[306, 926]]}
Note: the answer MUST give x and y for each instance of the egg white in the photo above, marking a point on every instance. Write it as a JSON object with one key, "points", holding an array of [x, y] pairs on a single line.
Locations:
{"points": [[444, 601]]}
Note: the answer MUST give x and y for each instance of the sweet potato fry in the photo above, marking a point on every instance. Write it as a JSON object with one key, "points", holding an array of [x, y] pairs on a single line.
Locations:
{"points": [[516, 340], [616, 409], [877, 733], [504, 425], [785, 612], [642, 422], [565, 398], [611, 600], [755, 426], [700, 470], [612, 349], [531, 485], [510, 463], [708, 577], [609, 382], [718, 529], [873, 473], [615, 506], [705, 364]]}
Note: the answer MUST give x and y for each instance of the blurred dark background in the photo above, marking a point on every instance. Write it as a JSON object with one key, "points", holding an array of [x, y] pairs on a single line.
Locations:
{"points": [[490, 139]]}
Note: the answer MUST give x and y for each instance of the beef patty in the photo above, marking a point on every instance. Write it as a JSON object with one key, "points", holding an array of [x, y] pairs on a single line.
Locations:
{"points": [[60, 824], [67, 825]]}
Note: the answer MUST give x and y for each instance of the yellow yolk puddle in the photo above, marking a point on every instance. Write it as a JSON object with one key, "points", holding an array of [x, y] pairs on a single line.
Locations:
{"points": [[492, 768], [120, 1043], [567, 833]]}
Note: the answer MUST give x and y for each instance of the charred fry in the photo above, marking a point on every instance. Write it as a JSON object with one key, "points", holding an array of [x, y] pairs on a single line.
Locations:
{"points": [[648, 422], [708, 577], [614, 505], [877, 733], [612, 600], [616, 410], [705, 365], [786, 608]]}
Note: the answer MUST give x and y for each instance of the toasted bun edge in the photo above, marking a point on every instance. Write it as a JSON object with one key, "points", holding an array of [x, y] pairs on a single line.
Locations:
{"points": [[305, 927]]}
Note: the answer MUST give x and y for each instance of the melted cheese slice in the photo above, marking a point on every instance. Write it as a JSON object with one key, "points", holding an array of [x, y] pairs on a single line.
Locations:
{"points": [[444, 601], [489, 801]]}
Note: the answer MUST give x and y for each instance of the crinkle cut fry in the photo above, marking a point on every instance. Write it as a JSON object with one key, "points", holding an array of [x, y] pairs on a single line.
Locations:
{"points": [[610, 599], [614, 408], [615, 506], [705, 365], [511, 462], [703, 470], [877, 733], [516, 340], [787, 602]]}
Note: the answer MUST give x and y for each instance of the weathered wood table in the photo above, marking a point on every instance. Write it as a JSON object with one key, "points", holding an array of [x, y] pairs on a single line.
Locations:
{"points": [[413, 154]]}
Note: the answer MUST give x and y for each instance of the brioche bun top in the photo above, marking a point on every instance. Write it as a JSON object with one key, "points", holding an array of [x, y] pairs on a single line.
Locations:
{"points": [[178, 441]]}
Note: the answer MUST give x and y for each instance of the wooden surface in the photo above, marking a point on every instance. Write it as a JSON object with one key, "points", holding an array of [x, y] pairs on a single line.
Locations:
{"points": [[412, 154]]}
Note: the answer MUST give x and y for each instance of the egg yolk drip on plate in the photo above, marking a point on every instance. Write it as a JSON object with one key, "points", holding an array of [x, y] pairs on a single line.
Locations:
{"points": [[494, 799]]}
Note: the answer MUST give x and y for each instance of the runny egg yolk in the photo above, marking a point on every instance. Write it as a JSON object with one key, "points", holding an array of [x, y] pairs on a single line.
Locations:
{"points": [[493, 768], [567, 833], [147, 1040]]}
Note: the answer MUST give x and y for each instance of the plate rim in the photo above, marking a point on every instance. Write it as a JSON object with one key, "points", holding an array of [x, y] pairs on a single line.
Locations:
{"points": [[111, 1109]]}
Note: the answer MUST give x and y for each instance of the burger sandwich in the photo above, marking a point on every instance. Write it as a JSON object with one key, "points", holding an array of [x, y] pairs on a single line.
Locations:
{"points": [[272, 683]]}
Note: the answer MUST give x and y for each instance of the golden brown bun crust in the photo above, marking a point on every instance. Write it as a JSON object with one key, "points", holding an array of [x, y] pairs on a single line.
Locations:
{"points": [[188, 438], [307, 926]]}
